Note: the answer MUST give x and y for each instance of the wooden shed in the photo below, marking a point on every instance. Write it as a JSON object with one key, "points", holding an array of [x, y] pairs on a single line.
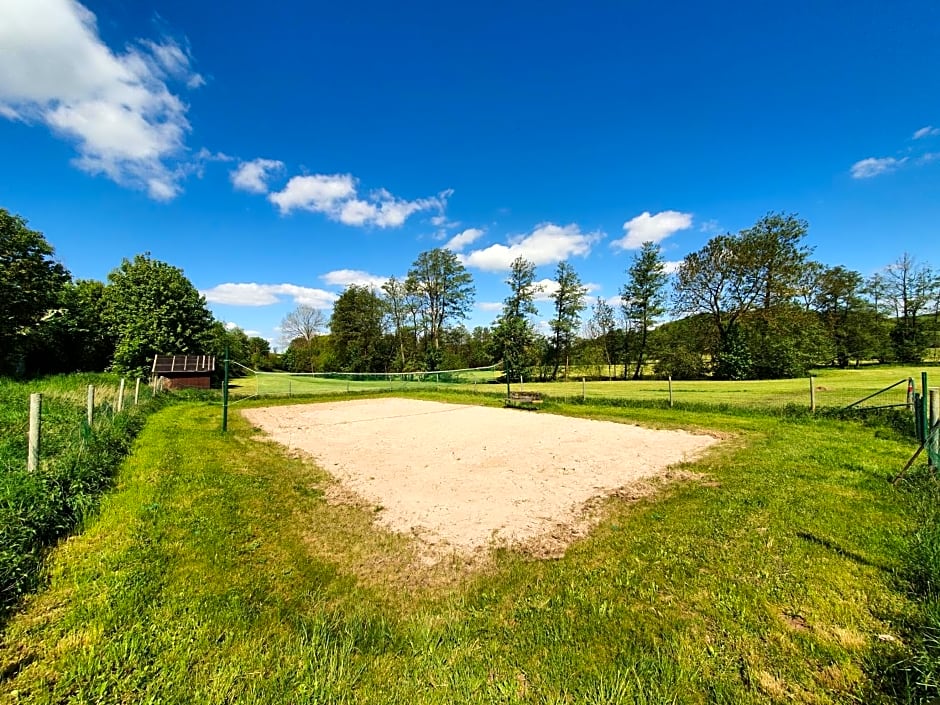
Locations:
{"points": [[181, 371]]}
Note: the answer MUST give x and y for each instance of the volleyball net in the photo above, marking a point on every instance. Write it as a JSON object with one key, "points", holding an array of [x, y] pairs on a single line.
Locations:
{"points": [[281, 384]]}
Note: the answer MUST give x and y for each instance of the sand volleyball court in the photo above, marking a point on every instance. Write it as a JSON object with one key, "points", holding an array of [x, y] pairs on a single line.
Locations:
{"points": [[465, 478]]}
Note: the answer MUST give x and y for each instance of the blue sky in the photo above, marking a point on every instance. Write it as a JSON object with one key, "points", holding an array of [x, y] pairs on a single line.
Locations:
{"points": [[279, 151]]}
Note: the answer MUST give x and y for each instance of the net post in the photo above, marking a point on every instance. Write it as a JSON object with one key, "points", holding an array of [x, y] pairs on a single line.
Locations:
{"points": [[933, 436], [225, 392], [923, 400]]}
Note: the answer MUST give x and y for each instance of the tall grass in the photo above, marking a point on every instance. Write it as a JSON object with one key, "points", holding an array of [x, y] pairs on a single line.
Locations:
{"points": [[910, 669], [77, 464]]}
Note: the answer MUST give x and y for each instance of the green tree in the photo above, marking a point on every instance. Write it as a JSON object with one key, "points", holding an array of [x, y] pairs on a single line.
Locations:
{"points": [[73, 337], [643, 298], [31, 283], [838, 301], [398, 311], [746, 280], [602, 327], [910, 288], [444, 290], [356, 332], [153, 309], [512, 332], [568, 301]]}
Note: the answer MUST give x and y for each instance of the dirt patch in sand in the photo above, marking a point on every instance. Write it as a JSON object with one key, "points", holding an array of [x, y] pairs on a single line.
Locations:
{"points": [[465, 478]]}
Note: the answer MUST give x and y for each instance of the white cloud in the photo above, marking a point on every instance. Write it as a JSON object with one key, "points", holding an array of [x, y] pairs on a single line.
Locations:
{"points": [[347, 277], [319, 193], [116, 107], [651, 228], [252, 176], [251, 294], [710, 227], [672, 266], [490, 305], [336, 196], [547, 244], [459, 241], [868, 168], [928, 131]]}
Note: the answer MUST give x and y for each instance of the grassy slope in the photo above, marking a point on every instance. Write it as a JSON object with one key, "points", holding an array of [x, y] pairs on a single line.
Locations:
{"points": [[218, 573]]}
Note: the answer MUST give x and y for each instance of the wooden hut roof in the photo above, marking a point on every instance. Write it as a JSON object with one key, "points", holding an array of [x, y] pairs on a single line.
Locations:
{"points": [[165, 365]]}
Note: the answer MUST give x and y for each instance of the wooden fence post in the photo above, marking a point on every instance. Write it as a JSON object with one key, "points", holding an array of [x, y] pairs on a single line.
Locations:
{"points": [[812, 393], [583, 390], [120, 396], [137, 392], [90, 410], [35, 431], [670, 391]]}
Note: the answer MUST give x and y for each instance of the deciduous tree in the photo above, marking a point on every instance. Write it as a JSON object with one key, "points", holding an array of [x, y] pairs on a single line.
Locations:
{"points": [[153, 309], [305, 323], [444, 289], [568, 300], [643, 298], [31, 283], [512, 333], [356, 333]]}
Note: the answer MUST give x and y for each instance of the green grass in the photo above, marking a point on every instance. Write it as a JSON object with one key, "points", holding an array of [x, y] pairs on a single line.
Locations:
{"points": [[219, 573], [834, 388], [76, 465]]}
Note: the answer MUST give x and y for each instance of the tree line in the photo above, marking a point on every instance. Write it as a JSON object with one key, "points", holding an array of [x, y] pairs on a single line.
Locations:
{"points": [[52, 323], [748, 305]]}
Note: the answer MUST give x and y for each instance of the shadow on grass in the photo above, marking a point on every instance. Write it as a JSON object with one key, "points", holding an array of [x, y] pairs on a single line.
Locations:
{"points": [[842, 552]]}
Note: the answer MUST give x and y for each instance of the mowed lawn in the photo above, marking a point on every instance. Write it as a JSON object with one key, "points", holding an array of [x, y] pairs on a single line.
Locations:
{"points": [[219, 572], [833, 388]]}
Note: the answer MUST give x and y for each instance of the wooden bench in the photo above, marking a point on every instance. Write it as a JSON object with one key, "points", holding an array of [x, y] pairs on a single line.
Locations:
{"points": [[524, 399]]}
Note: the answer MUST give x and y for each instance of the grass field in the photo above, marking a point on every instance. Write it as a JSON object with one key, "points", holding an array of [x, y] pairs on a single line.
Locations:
{"points": [[834, 388], [219, 573]]}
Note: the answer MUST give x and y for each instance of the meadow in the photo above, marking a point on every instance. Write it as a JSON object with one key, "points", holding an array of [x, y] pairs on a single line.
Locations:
{"points": [[223, 569], [833, 388]]}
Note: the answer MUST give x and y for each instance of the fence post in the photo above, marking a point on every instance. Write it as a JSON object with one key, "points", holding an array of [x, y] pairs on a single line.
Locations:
{"points": [[670, 391], [583, 390], [934, 415], [120, 397], [90, 411], [812, 393], [35, 431], [137, 392]]}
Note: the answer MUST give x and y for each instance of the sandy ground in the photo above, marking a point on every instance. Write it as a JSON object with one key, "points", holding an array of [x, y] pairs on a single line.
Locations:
{"points": [[464, 478]]}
